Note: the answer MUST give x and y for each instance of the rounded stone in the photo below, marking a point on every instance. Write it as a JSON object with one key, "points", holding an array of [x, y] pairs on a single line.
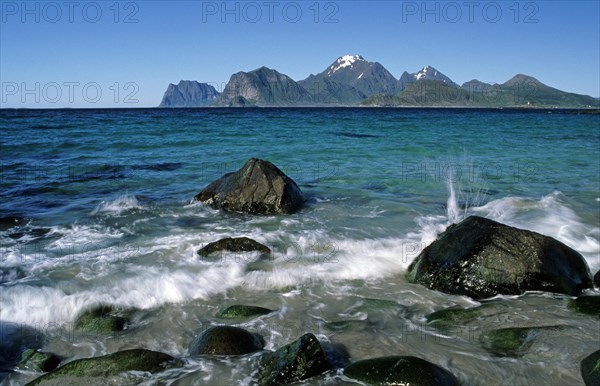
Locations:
{"points": [[226, 340]]}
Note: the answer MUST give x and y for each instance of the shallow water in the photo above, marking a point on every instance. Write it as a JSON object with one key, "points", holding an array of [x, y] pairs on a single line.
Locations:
{"points": [[104, 202]]}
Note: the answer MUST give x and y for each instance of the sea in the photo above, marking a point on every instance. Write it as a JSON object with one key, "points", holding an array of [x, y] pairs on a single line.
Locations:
{"points": [[96, 207]]}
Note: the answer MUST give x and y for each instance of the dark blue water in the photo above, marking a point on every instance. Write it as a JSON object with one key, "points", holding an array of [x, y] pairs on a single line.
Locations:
{"points": [[96, 207]]}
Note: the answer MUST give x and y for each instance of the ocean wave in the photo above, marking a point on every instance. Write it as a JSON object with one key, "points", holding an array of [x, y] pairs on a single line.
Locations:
{"points": [[119, 205], [549, 216], [165, 268], [161, 273], [60, 243]]}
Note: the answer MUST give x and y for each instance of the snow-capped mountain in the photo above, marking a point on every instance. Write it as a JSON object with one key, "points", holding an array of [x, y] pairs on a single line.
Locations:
{"points": [[350, 79], [344, 61], [429, 73]]}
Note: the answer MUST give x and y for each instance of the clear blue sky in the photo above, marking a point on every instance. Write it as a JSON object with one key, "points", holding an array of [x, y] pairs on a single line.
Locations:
{"points": [[107, 53]]}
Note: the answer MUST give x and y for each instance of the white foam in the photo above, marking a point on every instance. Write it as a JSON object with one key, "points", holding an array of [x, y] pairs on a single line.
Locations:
{"points": [[183, 276], [119, 205], [549, 216], [167, 269], [73, 242], [145, 287], [336, 260]]}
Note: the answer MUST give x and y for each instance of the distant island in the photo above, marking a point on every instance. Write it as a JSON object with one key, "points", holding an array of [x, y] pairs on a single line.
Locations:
{"points": [[353, 81]]}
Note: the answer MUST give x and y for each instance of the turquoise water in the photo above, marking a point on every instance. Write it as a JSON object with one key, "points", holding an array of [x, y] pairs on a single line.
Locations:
{"points": [[104, 202]]}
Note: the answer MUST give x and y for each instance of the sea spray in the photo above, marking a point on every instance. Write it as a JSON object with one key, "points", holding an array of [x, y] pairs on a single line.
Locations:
{"points": [[453, 210], [119, 205]]}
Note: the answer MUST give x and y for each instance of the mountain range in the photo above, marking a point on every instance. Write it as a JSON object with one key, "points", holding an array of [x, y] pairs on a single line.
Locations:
{"points": [[353, 81]]}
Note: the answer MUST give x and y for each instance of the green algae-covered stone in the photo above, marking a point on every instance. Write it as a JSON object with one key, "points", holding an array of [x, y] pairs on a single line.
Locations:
{"points": [[301, 359], [399, 370], [108, 365], [239, 311]]}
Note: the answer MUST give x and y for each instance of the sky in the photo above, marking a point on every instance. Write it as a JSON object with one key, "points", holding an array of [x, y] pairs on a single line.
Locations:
{"points": [[91, 54]]}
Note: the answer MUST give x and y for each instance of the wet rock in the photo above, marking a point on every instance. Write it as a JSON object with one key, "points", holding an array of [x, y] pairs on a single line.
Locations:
{"points": [[301, 359], [226, 340], [482, 258], [238, 244], [259, 187], [597, 279], [108, 365], [13, 338], [35, 360], [337, 355], [452, 317], [346, 325], [508, 342], [399, 370], [515, 341], [586, 304], [100, 319], [239, 311], [590, 369]]}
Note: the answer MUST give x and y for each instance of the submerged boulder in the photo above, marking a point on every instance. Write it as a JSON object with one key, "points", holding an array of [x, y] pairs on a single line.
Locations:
{"points": [[35, 360], [259, 187], [399, 370], [482, 258], [98, 368], [240, 311], [301, 359], [452, 317], [508, 342], [587, 304], [515, 341], [590, 369], [237, 244], [14, 338], [100, 319], [226, 340]]}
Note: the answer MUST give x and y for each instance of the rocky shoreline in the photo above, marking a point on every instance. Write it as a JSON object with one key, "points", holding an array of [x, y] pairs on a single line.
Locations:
{"points": [[478, 258]]}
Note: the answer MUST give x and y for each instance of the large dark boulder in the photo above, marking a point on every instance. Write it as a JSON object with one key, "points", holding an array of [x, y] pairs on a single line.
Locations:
{"points": [[97, 369], [259, 187], [482, 258], [237, 244], [226, 340], [399, 370], [301, 359], [590, 369], [597, 279]]}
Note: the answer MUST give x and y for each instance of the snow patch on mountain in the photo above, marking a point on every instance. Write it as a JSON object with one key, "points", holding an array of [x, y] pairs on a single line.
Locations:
{"points": [[344, 61], [425, 71]]}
